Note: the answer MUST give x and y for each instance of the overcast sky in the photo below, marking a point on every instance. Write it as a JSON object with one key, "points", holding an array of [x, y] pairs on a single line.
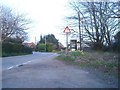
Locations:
{"points": [[48, 16]]}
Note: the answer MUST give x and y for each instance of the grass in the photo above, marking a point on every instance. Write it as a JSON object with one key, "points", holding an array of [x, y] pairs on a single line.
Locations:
{"points": [[71, 56], [103, 61]]}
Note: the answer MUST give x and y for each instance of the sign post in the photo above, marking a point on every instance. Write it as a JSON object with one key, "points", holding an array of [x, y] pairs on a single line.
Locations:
{"points": [[67, 31]]}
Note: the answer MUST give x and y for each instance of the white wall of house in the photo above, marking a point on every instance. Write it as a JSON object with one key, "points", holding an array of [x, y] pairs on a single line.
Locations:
{"points": [[83, 45]]}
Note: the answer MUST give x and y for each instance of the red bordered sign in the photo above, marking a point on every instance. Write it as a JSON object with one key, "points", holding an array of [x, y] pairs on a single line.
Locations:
{"points": [[67, 30]]}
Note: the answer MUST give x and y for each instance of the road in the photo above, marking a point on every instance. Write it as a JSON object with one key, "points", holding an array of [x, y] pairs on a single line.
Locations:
{"points": [[11, 62], [41, 70]]}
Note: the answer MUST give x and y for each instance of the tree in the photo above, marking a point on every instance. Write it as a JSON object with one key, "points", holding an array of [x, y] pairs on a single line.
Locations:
{"points": [[99, 21], [41, 40], [50, 40], [12, 25], [14, 40]]}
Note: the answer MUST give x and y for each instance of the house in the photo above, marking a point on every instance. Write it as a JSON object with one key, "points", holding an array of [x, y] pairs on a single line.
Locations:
{"points": [[83, 45], [31, 45], [75, 45], [61, 47]]}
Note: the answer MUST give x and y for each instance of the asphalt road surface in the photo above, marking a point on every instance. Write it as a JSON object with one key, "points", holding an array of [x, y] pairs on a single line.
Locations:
{"points": [[11, 62], [41, 70]]}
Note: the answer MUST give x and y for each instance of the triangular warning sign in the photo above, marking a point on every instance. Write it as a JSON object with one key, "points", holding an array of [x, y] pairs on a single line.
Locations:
{"points": [[67, 30]]}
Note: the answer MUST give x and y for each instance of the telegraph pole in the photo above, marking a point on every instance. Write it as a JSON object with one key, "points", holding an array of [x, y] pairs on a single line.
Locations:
{"points": [[79, 30]]}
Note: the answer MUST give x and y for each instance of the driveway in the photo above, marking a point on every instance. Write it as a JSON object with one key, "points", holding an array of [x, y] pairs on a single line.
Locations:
{"points": [[45, 72]]}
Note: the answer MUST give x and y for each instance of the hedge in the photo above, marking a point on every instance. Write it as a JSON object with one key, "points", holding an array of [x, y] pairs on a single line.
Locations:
{"points": [[9, 49]]}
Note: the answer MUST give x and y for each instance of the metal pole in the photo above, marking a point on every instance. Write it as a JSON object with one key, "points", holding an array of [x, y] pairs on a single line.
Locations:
{"points": [[66, 42]]}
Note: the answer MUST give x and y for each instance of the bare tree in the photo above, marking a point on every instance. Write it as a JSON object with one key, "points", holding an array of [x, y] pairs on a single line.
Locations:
{"points": [[100, 20], [12, 25]]}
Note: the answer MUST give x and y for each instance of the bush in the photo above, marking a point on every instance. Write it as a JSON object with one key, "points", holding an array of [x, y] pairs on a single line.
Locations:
{"points": [[116, 44], [45, 48], [116, 47], [49, 47], [41, 47], [10, 49]]}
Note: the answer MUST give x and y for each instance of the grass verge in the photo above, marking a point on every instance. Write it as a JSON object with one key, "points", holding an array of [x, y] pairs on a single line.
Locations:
{"points": [[106, 62]]}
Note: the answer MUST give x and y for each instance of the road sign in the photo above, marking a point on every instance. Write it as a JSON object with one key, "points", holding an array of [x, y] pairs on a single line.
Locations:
{"points": [[67, 30]]}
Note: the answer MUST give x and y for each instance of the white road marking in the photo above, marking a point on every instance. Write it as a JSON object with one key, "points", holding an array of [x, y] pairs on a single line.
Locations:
{"points": [[16, 65], [25, 63], [19, 65], [10, 67], [29, 61]]}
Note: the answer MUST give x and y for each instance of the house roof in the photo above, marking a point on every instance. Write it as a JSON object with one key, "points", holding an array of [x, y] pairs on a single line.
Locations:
{"points": [[29, 44]]}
